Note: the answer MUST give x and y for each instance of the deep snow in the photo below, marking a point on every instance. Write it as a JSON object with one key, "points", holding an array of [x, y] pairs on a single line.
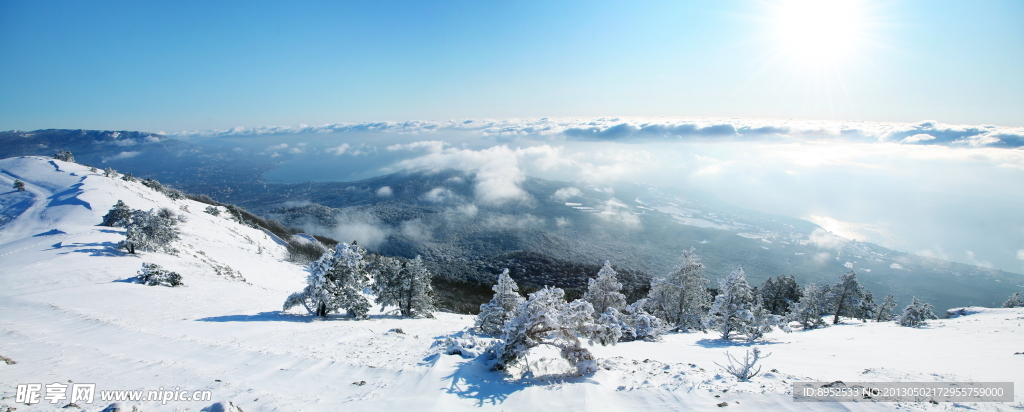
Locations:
{"points": [[67, 314]]}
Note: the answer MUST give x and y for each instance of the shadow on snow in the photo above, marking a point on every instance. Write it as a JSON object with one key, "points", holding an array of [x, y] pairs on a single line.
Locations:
{"points": [[475, 380], [721, 343], [51, 232], [93, 249], [69, 197], [274, 316]]}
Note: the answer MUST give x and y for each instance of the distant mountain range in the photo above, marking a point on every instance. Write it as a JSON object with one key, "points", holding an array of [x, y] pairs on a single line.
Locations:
{"points": [[558, 235]]}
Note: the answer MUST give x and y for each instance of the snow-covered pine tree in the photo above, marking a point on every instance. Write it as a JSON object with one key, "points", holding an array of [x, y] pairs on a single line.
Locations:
{"points": [[762, 321], [150, 231], [386, 272], [916, 314], [403, 283], [731, 312], [109, 172], [884, 311], [637, 324], [812, 307], [319, 296], [546, 319], [766, 293], [152, 274], [335, 283], [19, 185], [681, 298], [1014, 301], [867, 307], [603, 292], [502, 307], [778, 294], [846, 296], [64, 155], [118, 216], [609, 327]]}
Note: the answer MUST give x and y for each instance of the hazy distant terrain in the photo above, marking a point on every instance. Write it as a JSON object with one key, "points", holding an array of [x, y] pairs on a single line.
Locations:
{"points": [[638, 227], [634, 226]]}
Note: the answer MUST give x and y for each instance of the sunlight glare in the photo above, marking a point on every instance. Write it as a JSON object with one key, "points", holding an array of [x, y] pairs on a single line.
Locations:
{"points": [[819, 32]]}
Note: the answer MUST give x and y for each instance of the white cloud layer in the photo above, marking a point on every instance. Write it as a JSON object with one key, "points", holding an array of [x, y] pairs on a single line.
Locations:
{"points": [[660, 128], [498, 174], [617, 213], [826, 240], [566, 193], [438, 195], [122, 155]]}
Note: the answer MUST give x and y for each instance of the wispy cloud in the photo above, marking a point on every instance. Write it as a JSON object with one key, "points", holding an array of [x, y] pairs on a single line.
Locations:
{"points": [[498, 174], [566, 193], [616, 212], [119, 156]]}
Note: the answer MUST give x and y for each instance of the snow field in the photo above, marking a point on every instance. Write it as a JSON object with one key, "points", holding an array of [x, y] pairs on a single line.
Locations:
{"points": [[67, 314]]}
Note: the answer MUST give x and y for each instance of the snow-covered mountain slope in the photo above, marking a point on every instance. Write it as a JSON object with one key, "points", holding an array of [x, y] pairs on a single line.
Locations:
{"points": [[68, 316]]}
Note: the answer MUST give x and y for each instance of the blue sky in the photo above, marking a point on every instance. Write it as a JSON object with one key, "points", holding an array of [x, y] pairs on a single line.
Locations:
{"points": [[170, 66]]}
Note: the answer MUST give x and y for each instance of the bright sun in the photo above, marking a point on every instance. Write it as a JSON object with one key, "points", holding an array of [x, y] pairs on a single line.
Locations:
{"points": [[818, 32]]}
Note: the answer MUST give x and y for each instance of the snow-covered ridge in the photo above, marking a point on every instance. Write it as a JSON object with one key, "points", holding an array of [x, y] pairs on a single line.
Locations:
{"points": [[67, 315], [69, 201]]}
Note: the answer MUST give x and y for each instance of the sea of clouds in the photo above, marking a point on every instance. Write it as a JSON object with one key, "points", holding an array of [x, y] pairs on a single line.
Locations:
{"points": [[941, 190]]}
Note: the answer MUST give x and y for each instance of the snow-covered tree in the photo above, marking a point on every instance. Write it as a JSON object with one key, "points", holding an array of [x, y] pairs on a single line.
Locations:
{"points": [[731, 312], [1014, 301], [778, 294], [884, 311], [609, 327], [109, 172], [65, 155], [812, 307], [603, 292], [502, 307], [335, 283], [867, 307], [916, 314], [636, 324], [152, 274], [846, 296], [403, 283], [629, 324], [19, 185], [150, 231], [681, 298], [118, 216], [546, 319], [762, 321]]}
